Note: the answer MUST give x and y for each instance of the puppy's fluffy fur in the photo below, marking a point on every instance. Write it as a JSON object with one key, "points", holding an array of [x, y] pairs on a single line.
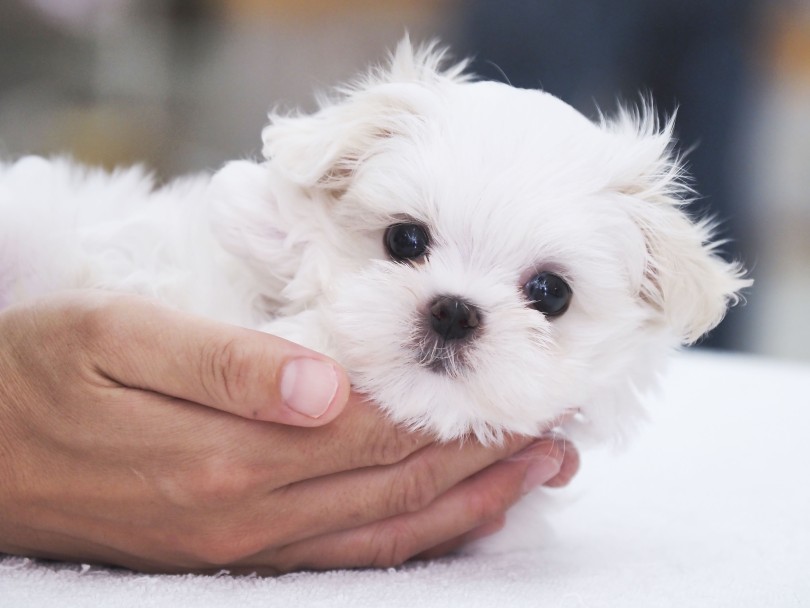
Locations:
{"points": [[507, 183]]}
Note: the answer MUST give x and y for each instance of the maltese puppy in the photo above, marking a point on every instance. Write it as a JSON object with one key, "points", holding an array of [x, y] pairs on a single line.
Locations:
{"points": [[482, 259]]}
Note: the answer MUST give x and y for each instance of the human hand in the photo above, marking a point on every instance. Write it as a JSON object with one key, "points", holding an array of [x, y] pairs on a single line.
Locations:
{"points": [[136, 435]]}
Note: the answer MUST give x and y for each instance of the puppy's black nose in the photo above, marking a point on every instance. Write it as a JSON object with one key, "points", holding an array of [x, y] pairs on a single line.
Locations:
{"points": [[453, 318]]}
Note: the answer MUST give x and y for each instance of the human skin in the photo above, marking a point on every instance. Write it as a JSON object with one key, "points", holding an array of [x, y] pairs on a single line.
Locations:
{"points": [[137, 435]]}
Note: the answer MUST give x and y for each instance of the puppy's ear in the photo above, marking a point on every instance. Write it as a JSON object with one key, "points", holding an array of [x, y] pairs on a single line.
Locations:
{"points": [[684, 279], [324, 149]]}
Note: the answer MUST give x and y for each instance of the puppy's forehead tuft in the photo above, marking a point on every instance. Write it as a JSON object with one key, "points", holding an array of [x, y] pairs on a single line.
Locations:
{"points": [[519, 111], [487, 136]]}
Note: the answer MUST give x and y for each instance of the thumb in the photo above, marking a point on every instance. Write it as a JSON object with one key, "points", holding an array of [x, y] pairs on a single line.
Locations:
{"points": [[236, 370]]}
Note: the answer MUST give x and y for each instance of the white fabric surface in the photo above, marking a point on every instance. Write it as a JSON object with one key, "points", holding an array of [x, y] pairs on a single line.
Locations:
{"points": [[709, 506]]}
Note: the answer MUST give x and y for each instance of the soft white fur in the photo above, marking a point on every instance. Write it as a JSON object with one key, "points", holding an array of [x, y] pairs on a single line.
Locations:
{"points": [[509, 182]]}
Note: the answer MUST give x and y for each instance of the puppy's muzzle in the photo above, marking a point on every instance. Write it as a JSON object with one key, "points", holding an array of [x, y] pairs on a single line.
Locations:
{"points": [[453, 318]]}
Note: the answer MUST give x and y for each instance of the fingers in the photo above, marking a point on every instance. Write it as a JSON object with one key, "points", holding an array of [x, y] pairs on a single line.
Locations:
{"points": [[550, 454], [471, 504], [371, 494], [570, 462], [141, 344], [554, 449], [454, 544], [363, 437], [422, 481], [360, 437]]}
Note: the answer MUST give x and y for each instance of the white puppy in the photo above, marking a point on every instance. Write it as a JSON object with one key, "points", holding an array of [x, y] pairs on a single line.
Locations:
{"points": [[481, 258]]}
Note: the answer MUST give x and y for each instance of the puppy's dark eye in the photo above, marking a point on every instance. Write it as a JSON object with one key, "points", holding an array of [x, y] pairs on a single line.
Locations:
{"points": [[548, 293], [406, 241]]}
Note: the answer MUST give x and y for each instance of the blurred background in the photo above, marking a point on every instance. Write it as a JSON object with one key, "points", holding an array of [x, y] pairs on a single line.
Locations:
{"points": [[184, 85]]}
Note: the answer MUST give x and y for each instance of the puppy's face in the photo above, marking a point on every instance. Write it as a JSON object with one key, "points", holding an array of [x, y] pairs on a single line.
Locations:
{"points": [[499, 260]]}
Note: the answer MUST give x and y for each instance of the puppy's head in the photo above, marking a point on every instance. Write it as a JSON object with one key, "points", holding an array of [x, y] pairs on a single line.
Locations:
{"points": [[497, 258]]}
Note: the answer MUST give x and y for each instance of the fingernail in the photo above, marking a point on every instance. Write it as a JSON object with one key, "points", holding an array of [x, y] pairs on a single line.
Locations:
{"points": [[308, 386], [541, 470]]}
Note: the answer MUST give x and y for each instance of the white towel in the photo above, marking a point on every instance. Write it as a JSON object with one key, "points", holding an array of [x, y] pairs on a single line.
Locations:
{"points": [[709, 506]]}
